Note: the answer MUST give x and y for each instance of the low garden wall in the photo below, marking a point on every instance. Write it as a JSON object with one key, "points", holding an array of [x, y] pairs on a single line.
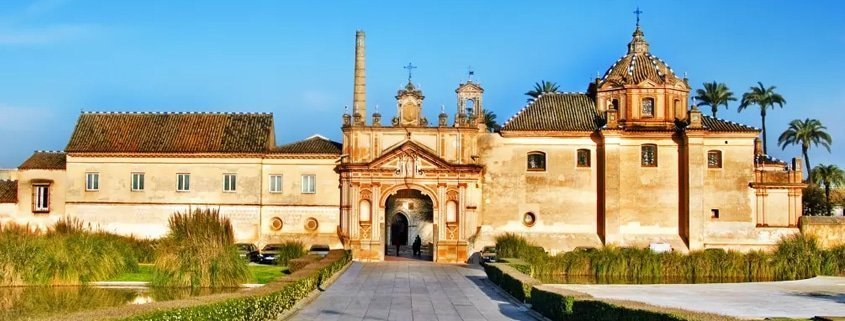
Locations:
{"points": [[263, 303], [828, 229]]}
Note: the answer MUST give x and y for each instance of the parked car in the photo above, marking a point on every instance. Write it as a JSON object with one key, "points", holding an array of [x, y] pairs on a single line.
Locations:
{"points": [[269, 253], [319, 249], [488, 254], [248, 252]]}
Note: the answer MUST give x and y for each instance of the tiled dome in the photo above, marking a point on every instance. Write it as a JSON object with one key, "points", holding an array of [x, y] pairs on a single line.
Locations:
{"points": [[638, 65]]}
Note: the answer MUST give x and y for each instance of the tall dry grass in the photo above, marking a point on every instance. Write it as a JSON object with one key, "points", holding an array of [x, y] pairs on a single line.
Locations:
{"points": [[199, 251]]}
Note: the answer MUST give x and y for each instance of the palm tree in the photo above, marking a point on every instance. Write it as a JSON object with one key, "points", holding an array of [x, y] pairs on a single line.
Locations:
{"points": [[805, 133], [764, 97], [827, 176], [490, 121], [540, 88], [713, 95]]}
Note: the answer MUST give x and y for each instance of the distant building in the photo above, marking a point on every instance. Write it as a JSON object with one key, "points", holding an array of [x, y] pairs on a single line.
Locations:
{"points": [[628, 162]]}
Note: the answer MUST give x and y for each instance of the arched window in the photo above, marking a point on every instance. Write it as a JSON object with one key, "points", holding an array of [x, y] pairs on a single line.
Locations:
{"points": [[648, 107], [714, 159], [364, 210], [451, 212], [583, 157], [648, 155], [536, 161]]}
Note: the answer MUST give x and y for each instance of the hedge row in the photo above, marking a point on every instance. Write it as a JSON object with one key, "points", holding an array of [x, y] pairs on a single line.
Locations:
{"points": [[565, 305], [511, 280], [263, 303]]}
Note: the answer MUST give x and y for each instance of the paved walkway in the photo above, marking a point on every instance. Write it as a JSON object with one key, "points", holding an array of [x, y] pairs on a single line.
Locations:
{"points": [[821, 296], [411, 290]]}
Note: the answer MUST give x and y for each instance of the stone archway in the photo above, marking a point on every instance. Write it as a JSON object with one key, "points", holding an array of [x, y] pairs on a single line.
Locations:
{"points": [[408, 214]]}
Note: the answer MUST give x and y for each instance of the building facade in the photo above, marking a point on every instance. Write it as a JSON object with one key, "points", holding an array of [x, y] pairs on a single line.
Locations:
{"points": [[629, 162]]}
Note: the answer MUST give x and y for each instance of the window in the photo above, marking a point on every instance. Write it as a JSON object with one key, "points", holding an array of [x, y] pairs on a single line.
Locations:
{"points": [[309, 183], [92, 181], [714, 159], [137, 182], [715, 213], [536, 161], [615, 104], [275, 183], [649, 155], [229, 182], [183, 182], [583, 158], [648, 107], [41, 198], [528, 219]]}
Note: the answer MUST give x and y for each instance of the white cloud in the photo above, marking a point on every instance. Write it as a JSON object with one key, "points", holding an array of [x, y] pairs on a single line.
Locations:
{"points": [[43, 35]]}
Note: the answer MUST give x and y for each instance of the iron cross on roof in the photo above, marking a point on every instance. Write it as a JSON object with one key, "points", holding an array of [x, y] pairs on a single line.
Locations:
{"points": [[410, 68], [638, 12]]}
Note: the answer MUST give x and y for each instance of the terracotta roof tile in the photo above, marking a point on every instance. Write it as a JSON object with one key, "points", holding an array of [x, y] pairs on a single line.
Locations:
{"points": [[172, 133], [8, 191], [556, 112], [312, 145], [721, 125], [45, 160]]}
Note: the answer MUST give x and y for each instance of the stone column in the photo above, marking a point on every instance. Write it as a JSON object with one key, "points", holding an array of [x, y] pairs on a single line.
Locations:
{"points": [[609, 215], [695, 169]]}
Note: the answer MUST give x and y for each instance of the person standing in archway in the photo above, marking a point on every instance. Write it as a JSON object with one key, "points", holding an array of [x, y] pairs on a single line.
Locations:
{"points": [[417, 246]]}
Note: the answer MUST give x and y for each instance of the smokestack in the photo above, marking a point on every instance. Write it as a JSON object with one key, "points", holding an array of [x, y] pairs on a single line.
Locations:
{"points": [[359, 98]]}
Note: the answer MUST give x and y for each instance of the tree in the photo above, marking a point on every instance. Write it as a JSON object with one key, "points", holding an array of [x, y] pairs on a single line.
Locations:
{"points": [[805, 133], [812, 200], [490, 121], [713, 95], [828, 176], [542, 87], [766, 98]]}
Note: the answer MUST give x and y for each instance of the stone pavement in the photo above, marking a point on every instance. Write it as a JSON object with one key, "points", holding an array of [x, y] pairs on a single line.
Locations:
{"points": [[820, 296], [412, 290]]}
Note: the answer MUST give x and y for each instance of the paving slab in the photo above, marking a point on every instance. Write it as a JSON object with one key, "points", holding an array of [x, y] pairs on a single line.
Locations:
{"points": [[412, 290], [820, 296]]}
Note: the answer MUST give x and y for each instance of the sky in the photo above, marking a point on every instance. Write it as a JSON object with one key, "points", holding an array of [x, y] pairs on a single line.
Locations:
{"points": [[295, 58]]}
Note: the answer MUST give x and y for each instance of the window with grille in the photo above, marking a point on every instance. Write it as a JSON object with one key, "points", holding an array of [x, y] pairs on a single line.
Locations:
{"points": [[536, 161], [583, 158], [714, 159], [648, 107], [648, 155]]}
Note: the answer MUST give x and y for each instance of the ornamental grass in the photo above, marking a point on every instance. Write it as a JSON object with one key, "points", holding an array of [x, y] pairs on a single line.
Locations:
{"points": [[199, 251], [795, 257]]}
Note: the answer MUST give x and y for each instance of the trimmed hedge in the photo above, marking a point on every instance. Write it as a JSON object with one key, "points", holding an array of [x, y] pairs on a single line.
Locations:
{"points": [[564, 305], [520, 265], [298, 264], [511, 280], [263, 303]]}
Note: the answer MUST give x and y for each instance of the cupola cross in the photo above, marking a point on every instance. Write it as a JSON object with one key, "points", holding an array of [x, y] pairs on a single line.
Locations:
{"points": [[410, 68], [638, 12]]}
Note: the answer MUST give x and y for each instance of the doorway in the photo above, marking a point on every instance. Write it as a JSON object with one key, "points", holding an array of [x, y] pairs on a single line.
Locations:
{"points": [[409, 218]]}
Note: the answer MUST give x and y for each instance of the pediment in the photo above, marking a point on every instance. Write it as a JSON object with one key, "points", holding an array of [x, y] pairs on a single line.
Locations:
{"points": [[647, 83], [410, 156]]}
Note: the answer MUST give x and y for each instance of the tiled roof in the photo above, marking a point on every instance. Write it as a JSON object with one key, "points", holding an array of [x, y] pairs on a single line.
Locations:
{"points": [[45, 160], [556, 112], [721, 125], [172, 133], [312, 145], [8, 191]]}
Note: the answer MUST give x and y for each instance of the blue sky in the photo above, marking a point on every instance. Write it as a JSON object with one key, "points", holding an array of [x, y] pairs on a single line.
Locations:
{"points": [[295, 58]]}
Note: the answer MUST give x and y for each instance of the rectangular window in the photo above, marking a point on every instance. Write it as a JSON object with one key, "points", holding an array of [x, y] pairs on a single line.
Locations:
{"points": [[714, 159], [649, 155], [92, 181], [41, 198], [137, 182], [715, 213], [275, 183], [309, 184], [583, 158], [229, 182], [183, 182], [537, 161]]}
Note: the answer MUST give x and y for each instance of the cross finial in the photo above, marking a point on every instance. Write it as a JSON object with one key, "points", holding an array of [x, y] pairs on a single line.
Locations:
{"points": [[410, 68], [638, 12]]}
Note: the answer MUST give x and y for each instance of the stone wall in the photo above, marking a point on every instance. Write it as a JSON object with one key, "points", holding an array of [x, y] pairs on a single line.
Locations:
{"points": [[829, 229]]}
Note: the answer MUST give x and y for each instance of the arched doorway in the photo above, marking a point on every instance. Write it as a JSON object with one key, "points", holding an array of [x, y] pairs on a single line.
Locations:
{"points": [[410, 215]]}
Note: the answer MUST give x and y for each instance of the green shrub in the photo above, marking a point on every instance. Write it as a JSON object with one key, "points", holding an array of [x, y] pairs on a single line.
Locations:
{"points": [[289, 250], [797, 257], [199, 251], [511, 280]]}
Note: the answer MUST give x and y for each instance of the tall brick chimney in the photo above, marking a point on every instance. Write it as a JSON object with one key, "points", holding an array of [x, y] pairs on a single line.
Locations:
{"points": [[359, 97]]}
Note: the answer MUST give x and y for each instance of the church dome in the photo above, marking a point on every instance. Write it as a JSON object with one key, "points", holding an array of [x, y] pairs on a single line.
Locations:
{"points": [[639, 65]]}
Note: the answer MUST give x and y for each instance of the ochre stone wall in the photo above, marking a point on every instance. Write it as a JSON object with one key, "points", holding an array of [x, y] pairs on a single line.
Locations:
{"points": [[829, 229]]}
